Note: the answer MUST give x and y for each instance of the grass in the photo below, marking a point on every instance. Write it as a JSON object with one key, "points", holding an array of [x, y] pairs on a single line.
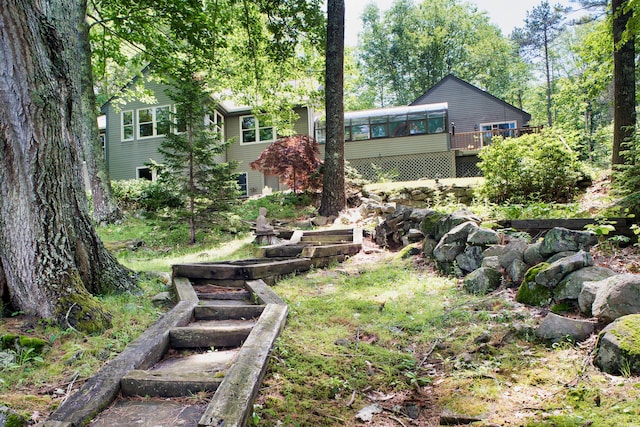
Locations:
{"points": [[381, 330]]}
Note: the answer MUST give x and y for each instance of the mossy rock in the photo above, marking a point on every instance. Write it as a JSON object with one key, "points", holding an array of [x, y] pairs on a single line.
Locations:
{"points": [[530, 292], [618, 348], [428, 223], [11, 418], [12, 341]]}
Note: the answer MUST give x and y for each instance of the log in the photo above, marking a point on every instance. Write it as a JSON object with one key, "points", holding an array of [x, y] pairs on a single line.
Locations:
{"points": [[222, 312], [232, 403]]}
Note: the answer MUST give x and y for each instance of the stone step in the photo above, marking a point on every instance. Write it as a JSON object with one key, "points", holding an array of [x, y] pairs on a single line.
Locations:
{"points": [[150, 413], [211, 333], [220, 311]]}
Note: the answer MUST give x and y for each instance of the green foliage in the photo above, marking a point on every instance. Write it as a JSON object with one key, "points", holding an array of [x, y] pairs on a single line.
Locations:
{"points": [[627, 177], [192, 153], [280, 205], [407, 49], [136, 194], [534, 167]]}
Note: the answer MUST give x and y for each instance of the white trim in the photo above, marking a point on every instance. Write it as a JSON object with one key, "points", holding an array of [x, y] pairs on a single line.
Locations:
{"points": [[154, 121], [257, 131], [492, 124], [133, 125], [154, 173]]}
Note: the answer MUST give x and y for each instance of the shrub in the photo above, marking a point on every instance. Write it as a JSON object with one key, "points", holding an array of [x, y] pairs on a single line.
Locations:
{"points": [[535, 167], [136, 194]]}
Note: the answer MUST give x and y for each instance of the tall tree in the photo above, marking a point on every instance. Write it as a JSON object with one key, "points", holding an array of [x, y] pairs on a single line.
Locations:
{"points": [[410, 47], [334, 197], [193, 154], [624, 82], [51, 259], [543, 24]]}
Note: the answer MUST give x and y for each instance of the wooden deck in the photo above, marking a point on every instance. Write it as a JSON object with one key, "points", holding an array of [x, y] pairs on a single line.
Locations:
{"points": [[477, 140]]}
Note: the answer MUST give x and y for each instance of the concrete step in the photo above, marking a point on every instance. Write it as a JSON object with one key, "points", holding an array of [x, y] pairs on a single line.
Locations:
{"points": [[150, 413], [211, 333]]}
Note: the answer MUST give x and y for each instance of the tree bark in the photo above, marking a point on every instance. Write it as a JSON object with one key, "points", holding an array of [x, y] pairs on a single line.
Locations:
{"points": [[333, 192], [105, 209], [51, 258], [624, 84]]}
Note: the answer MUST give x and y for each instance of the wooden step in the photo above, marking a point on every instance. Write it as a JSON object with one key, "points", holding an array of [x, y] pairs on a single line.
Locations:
{"points": [[179, 375], [161, 384], [221, 311], [211, 333]]}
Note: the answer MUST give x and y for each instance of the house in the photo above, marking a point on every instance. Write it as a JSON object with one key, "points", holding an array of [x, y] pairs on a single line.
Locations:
{"points": [[134, 134], [475, 117], [437, 136]]}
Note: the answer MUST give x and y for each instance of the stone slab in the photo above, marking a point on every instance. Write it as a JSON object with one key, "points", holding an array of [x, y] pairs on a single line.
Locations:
{"points": [[150, 413]]}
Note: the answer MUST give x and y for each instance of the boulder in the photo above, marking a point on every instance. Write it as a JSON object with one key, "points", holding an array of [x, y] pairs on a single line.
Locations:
{"points": [[556, 328], [571, 286], [617, 296], [493, 251], [530, 292], [470, 259], [512, 251], [618, 348], [483, 237], [559, 255], [459, 233], [554, 272], [532, 255], [482, 281], [561, 239], [516, 271], [428, 245], [588, 296], [491, 262], [447, 252], [447, 223], [428, 223]]}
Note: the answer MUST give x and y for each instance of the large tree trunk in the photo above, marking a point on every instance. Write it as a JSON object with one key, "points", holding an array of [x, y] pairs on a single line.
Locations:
{"points": [[624, 84], [51, 258], [105, 209], [333, 191]]}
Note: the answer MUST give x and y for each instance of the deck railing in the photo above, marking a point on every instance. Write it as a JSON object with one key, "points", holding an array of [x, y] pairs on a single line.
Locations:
{"points": [[477, 140]]}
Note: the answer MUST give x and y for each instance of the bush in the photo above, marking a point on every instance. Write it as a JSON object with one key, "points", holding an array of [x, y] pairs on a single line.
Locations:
{"points": [[535, 167], [134, 194]]}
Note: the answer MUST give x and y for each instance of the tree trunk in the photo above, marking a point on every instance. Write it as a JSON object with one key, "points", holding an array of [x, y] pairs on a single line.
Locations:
{"points": [[51, 258], [548, 73], [333, 191], [105, 209], [624, 84]]}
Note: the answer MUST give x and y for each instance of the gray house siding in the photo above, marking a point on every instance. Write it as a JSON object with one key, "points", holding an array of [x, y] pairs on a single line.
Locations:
{"points": [[247, 153], [470, 106], [123, 157]]}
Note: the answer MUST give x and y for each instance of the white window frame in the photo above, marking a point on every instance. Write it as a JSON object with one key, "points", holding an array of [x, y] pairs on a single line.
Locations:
{"points": [[122, 125], [154, 120], [257, 131], [494, 125], [216, 121], [154, 173]]}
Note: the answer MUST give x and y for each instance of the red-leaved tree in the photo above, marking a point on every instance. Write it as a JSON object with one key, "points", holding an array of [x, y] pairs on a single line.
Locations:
{"points": [[295, 159]]}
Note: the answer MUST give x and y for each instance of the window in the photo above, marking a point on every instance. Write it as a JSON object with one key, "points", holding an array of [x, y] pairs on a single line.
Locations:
{"points": [[242, 183], [144, 172], [153, 121], [252, 131], [127, 125], [417, 124], [216, 122], [436, 122], [379, 127]]}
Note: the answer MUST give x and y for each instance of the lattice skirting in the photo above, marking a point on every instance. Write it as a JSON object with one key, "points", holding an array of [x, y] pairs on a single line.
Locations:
{"points": [[467, 166], [408, 167]]}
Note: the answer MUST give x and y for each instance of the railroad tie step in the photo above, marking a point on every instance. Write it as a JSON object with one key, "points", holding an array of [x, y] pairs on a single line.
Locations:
{"points": [[211, 333], [221, 311], [168, 384]]}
